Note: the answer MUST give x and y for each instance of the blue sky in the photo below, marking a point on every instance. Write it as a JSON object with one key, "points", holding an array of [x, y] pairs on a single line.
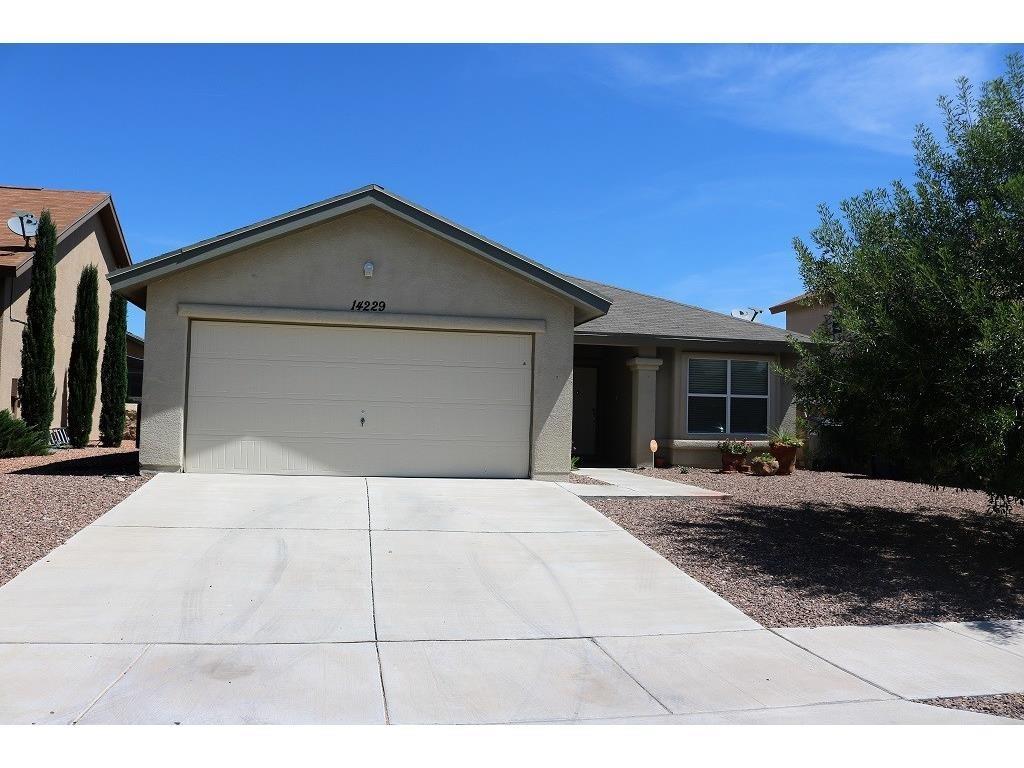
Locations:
{"points": [[683, 171]]}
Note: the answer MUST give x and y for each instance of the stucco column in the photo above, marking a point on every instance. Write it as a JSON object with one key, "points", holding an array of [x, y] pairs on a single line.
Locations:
{"points": [[645, 391]]}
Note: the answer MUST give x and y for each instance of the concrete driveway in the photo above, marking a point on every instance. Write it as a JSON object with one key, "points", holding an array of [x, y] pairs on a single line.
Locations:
{"points": [[256, 599]]}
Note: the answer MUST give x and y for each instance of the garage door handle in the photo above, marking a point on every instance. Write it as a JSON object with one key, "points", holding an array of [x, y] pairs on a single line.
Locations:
{"points": [[362, 421]]}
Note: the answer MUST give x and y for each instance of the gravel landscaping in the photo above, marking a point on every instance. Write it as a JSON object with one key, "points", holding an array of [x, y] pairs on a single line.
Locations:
{"points": [[1004, 705], [828, 548], [579, 479], [44, 500]]}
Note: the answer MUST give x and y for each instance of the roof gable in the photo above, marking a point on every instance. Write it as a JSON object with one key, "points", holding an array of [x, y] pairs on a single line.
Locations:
{"points": [[132, 281]]}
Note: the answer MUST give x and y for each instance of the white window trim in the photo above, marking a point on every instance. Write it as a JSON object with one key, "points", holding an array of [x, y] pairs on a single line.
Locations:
{"points": [[728, 396]]}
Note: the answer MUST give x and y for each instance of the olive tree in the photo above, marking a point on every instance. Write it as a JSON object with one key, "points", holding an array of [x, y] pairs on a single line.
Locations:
{"points": [[922, 360]]}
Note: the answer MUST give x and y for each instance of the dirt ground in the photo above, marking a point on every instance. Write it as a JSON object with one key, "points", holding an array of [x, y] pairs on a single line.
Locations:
{"points": [[45, 500], [1004, 705], [828, 548]]}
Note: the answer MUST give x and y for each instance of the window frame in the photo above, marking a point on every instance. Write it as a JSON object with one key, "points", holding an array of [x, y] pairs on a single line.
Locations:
{"points": [[728, 396]]}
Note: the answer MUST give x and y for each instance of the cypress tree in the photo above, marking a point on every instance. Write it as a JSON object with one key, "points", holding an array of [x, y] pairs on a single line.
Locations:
{"points": [[114, 374], [36, 387], [84, 355]]}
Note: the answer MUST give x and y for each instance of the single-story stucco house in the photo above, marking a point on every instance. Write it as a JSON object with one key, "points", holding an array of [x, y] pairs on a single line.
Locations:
{"points": [[364, 335], [88, 232]]}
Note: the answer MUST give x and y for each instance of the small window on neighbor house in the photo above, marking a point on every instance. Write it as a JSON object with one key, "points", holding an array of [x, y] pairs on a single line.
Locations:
{"points": [[727, 397]]}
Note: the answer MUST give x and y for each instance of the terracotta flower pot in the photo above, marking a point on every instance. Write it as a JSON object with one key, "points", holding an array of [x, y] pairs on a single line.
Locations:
{"points": [[732, 462], [763, 469], [786, 456]]}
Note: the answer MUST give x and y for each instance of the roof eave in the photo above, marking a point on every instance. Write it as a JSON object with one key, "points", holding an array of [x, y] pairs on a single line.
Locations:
{"points": [[689, 342], [104, 208], [135, 295], [115, 226], [806, 299]]}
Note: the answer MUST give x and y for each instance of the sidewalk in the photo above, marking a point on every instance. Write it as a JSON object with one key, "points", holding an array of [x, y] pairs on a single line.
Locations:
{"points": [[924, 661], [622, 483]]}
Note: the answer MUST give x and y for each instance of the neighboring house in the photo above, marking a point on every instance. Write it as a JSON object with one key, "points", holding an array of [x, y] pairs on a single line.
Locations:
{"points": [[364, 335], [135, 348], [88, 232], [804, 313]]}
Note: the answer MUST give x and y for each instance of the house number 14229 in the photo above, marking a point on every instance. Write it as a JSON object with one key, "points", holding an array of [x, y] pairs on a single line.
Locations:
{"points": [[366, 305]]}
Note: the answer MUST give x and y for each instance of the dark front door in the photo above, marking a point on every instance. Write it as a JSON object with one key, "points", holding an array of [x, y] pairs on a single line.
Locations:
{"points": [[584, 411]]}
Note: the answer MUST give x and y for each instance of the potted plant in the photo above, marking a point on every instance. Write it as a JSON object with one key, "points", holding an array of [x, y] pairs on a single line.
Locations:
{"points": [[733, 453], [783, 446], [765, 464]]}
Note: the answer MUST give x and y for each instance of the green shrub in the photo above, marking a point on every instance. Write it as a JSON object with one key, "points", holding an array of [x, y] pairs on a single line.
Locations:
{"points": [[784, 437], [734, 447], [19, 439]]}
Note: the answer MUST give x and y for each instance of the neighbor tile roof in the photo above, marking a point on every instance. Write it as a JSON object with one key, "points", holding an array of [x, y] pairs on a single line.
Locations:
{"points": [[638, 314], [67, 207]]}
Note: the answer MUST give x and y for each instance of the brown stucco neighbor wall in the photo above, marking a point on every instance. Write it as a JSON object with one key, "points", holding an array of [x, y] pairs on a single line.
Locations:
{"points": [[86, 245], [322, 268], [801, 319]]}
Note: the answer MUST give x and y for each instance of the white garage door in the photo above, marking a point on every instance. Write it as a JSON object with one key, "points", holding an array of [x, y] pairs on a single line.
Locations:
{"points": [[314, 400]]}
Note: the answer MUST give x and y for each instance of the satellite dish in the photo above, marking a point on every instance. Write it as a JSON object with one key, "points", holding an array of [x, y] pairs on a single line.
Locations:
{"points": [[24, 224], [749, 314]]}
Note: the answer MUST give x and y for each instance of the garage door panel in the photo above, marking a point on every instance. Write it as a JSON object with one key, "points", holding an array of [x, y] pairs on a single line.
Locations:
{"points": [[325, 456], [359, 382], [283, 417], [248, 341], [286, 399]]}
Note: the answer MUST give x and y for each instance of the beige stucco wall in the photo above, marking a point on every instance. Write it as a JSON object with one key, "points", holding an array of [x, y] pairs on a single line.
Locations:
{"points": [[322, 268], [86, 245], [802, 319]]}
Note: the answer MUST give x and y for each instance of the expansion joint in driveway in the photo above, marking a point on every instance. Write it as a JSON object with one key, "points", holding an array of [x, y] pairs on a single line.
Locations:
{"points": [[629, 674], [837, 666], [113, 682], [373, 604]]}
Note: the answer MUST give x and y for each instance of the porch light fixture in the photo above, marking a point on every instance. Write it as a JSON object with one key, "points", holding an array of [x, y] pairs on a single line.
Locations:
{"points": [[368, 269]]}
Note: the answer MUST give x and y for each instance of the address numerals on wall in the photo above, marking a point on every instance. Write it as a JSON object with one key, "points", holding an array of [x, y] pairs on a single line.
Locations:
{"points": [[368, 305]]}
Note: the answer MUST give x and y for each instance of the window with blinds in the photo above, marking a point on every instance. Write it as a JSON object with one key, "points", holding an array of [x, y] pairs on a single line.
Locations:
{"points": [[727, 397]]}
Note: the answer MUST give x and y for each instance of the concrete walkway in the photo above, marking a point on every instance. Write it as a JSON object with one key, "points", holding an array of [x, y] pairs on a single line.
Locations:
{"points": [[925, 661], [623, 483], [243, 599]]}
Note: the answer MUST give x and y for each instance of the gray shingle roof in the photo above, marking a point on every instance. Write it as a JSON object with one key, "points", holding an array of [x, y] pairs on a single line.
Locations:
{"points": [[637, 314]]}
